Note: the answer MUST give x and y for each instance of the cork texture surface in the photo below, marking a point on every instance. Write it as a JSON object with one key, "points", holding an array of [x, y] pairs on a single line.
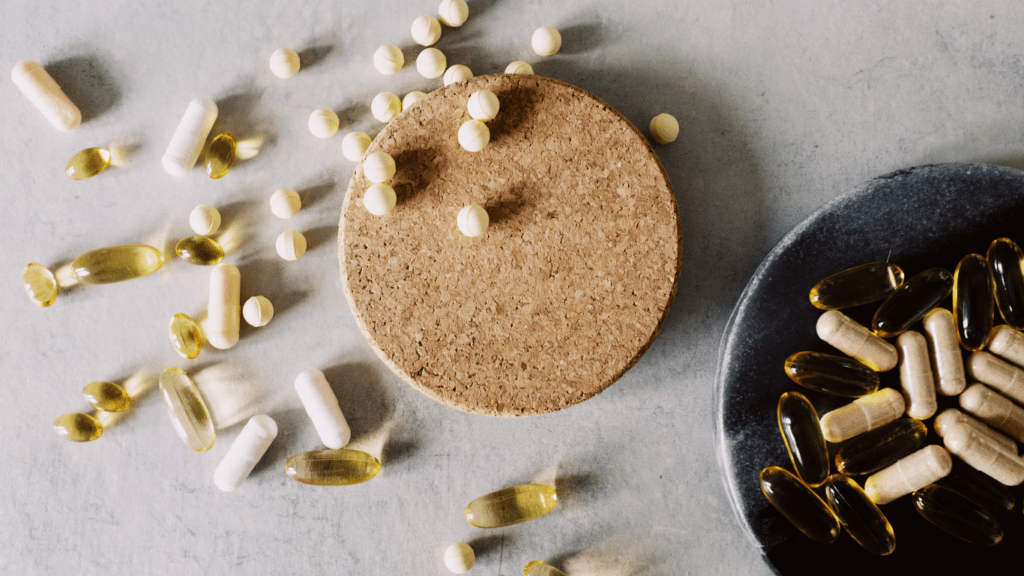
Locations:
{"points": [[568, 286]]}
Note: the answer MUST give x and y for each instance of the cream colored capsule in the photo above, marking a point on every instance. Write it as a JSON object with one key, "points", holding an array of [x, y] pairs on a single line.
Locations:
{"points": [[291, 245], [664, 128], [913, 472], [285, 203], [519, 67], [322, 406], [385, 106], [849, 337], [474, 135], [951, 417], [223, 313], [947, 360], [863, 414], [323, 123], [457, 73], [388, 59], [1007, 343], [426, 30], [546, 41], [189, 138], [473, 220], [994, 409], [996, 373], [354, 145], [379, 199], [431, 63], [204, 220], [916, 377], [483, 105], [453, 12], [379, 167], [245, 452], [412, 98], [43, 92], [258, 311], [984, 455], [284, 63]]}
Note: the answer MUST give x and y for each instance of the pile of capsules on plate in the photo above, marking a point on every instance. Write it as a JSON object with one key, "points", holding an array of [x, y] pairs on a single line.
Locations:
{"points": [[962, 486]]}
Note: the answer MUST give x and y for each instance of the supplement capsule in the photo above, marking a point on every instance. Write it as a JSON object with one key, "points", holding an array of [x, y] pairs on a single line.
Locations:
{"points": [[483, 105], [43, 92], [78, 427], [379, 167], [87, 163], [332, 467], [831, 374], [1008, 344], [519, 67], [474, 135], [546, 41], [979, 487], [855, 286], [187, 410], [973, 301], [1006, 265], [863, 521], [916, 378], [354, 144], [947, 360], [431, 63], [459, 558], [385, 106], [914, 472], [911, 301], [185, 335], [322, 406], [199, 250], [220, 155], [851, 338], [801, 432], [957, 515], [204, 219], [538, 568], [862, 415], [999, 374], [106, 396], [453, 12], [258, 311], [379, 199], [40, 284], [224, 313], [291, 245], [426, 30], [285, 203], [323, 123], [994, 409], [473, 220], [187, 142], [457, 73], [117, 264], [388, 59], [799, 504], [951, 417], [984, 455], [245, 452], [511, 506], [881, 447], [664, 128]]}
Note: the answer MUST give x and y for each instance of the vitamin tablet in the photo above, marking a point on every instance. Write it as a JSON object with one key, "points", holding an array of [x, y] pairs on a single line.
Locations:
{"points": [[342, 467], [453, 12], [546, 41], [473, 220], [187, 142], [664, 128], [185, 335], [862, 415], [947, 360], [379, 199], [291, 245], [220, 155], [856, 286], [459, 558], [511, 506], [204, 219], [412, 98], [40, 284], [379, 167], [801, 432], [979, 487], [851, 338], [354, 145], [457, 73], [994, 409], [426, 30], [916, 379], [539, 568], [388, 59], [322, 406], [1006, 265], [831, 374], [973, 301], [87, 163], [914, 472], [117, 264], [245, 452], [187, 410], [1007, 343], [200, 250], [43, 92], [956, 514], [863, 521], [951, 417], [223, 313], [323, 123], [474, 135], [285, 203], [799, 504], [483, 105], [998, 374], [881, 447], [78, 427], [431, 63], [106, 396], [519, 67], [911, 302], [984, 455], [385, 106], [284, 63], [258, 311]]}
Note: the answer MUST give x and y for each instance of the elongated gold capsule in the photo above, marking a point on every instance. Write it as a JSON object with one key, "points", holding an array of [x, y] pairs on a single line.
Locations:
{"points": [[187, 410], [511, 506], [117, 264], [539, 568], [855, 286], [980, 488], [832, 374], [863, 521], [40, 284], [332, 467], [220, 155], [801, 432], [973, 301], [199, 250], [911, 302], [882, 447], [186, 337], [958, 515], [1006, 265], [88, 163], [78, 427], [106, 396], [799, 504]]}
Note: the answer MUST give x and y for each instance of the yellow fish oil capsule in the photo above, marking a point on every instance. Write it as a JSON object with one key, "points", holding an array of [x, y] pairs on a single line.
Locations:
{"points": [[947, 360], [224, 312], [186, 337], [40, 284], [106, 396], [984, 455], [855, 286], [187, 142], [831, 374], [332, 467], [862, 415], [187, 410], [994, 409], [958, 515], [1006, 265], [914, 472], [43, 92], [245, 452], [911, 302], [78, 427], [511, 506], [799, 504], [863, 521], [999, 374], [916, 378], [1007, 343], [117, 264], [850, 338], [881, 447], [199, 250], [979, 487], [538, 568], [973, 301], [951, 417], [220, 155], [801, 432], [87, 163]]}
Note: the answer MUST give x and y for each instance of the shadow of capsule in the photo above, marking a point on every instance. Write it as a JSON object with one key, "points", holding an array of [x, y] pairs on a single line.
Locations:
{"points": [[87, 83]]}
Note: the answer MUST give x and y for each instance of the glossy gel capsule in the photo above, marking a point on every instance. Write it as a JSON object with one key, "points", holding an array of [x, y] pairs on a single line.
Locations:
{"points": [[1006, 265], [87, 163], [855, 286], [979, 487], [186, 336], [958, 515], [220, 155], [540, 568], [187, 410], [40, 284], [911, 302], [882, 447], [863, 521], [973, 301], [245, 452], [224, 312], [511, 506], [106, 396], [187, 142], [78, 427], [199, 250], [342, 467], [849, 337], [117, 264], [799, 504], [798, 423], [838, 375], [322, 406]]}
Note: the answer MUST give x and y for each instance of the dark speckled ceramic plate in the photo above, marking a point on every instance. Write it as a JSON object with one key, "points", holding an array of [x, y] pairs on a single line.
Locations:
{"points": [[924, 217]]}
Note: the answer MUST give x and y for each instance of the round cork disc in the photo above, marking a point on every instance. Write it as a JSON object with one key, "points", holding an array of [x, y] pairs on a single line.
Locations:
{"points": [[563, 292]]}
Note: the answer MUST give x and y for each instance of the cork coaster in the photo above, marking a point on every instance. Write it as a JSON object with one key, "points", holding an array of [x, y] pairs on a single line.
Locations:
{"points": [[567, 287]]}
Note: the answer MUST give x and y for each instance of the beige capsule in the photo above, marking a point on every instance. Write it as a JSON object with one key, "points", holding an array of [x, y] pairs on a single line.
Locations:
{"points": [[863, 414], [951, 417], [947, 360], [848, 336], [914, 472], [1007, 343], [994, 409], [984, 455], [999, 374], [916, 377]]}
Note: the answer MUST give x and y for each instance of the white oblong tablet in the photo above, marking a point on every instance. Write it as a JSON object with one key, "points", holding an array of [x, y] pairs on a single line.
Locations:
{"points": [[43, 92], [322, 406], [188, 139], [223, 313], [245, 452]]}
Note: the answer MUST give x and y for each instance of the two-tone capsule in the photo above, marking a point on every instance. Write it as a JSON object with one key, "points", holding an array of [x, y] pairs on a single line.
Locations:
{"points": [[882, 447], [1006, 265], [958, 515], [863, 521], [855, 286], [973, 301], [831, 374], [799, 504], [117, 264], [332, 467], [911, 302], [187, 410], [801, 432], [511, 506]]}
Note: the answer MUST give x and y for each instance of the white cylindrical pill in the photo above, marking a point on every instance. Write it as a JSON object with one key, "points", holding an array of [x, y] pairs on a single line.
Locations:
{"points": [[473, 220], [223, 313], [204, 219], [519, 67], [188, 139], [285, 203], [1007, 343], [379, 199], [849, 337], [43, 92], [412, 98], [546, 41], [245, 452], [863, 414], [996, 373], [947, 360], [459, 558], [483, 105], [913, 472], [385, 106], [994, 409], [379, 167], [322, 406], [984, 455], [284, 63], [916, 377], [951, 417], [474, 135], [258, 311], [388, 59], [291, 245], [323, 123], [664, 128], [354, 145], [453, 12], [457, 73], [426, 30], [431, 63]]}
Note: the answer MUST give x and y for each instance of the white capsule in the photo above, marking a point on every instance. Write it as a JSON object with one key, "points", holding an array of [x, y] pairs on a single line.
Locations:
{"points": [[291, 245], [984, 455], [204, 219], [388, 59], [951, 417], [323, 123], [1007, 343], [913, 472], [426, 30], [245, 452], [431, 63], [916, 377], [457, 73], [849, 337], [257, 311], [483, 105], [354, 145], [473, 220], [284, 63], [997, 373], [322, 406], [519, 67], [947, 360], [453, 12], [385, 106], [412, 98], [379, 199], [43, 92], [546, 41], [994, 409], [188, 139], [379, 167], [459, 558], [285, 203], [223, 313], [862, 415], [474, 135], [664, 128]]}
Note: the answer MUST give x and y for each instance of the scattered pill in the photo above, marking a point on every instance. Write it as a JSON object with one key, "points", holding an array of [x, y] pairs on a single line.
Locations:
{"points": [[664, 128], [519, 67], [379, 167], [539, 568], [881, 447], [258, 311], [285, 203], [483, 105], [385, 106], [998, 374], [457, 73], [187, 410], [956, 514], [916, 377], [186, 336], [854, 286], [474, 135], [851, 338], [546, 41], [342, 467], [284, 63], [379, 199], [799, 504], [117, 264], [911, 301], [951, 417], [40, 284], [200, 250], [1007, 343], [87, 163], [106, 396], [994, 409], [914, 472], [412, 98], [323, 123], [984, 455], [862, 415], [839, 375], [43, 92], [947, 360], [78, 427], [459, 558], [431, 63], [863, 521], [291, 245], [426, 30], [473, 220], [220, 155], [354, 144], [1006, 265], [223, 311], [801, 431], [204, 219], [187, 142], [388, 59], [322, 406], [453, 12], [245, 452], [973, 301], [511, 506], [979, 487]]}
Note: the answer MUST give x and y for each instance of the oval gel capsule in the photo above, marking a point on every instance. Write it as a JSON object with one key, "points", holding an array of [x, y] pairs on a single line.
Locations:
{"points": [[1008, 344], [914, 472], [984, 455], [882, 447], [511, 506], [831, 374], [799, 504], [999, 374], [947, 360], [862, 415], [342, 467], [187, 410], [916, 375], [855, 286], [224, 312], [245, 452], [863, 521], [957, 515], [851, 338], [117, 264], [43, 92], [322, 406], [994, 409], [979, 487], [973, 301], [1006, 265], [801, 432], [911, 302], [187, 142], [106, 396]]}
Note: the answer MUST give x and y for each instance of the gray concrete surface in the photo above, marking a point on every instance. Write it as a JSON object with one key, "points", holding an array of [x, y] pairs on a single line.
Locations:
{"points": [[783, 105]]}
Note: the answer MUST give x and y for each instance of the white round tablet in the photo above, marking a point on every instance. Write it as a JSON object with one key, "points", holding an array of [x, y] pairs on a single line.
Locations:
{"points": [[354, 145], [204, 219], [426, 30], [388, 59], [284, 63], [473, 220], [323, 123], [474, 135], [379, 199], [483, 105], [546, 41], [378, 167], [285, 203], [258, 311], [291, 245], [431, 63]]}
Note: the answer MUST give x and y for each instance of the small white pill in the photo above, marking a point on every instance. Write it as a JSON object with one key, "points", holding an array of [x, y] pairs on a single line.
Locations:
{"points": [[385, 106], [223, 313], [459, 558], [474, 135], [43, 92], [188, 139], [388, 59], [431, 63], [323, 123], [284, 63], [291, 245], [453, 12], [285, 203], [457, 73], [322, 406], [379, 199], [862, 415], [664, 128], [519, 67], [483, 105], [354, 145], [546, 41], [426, 30], [412, 98], [258, 311], [204, 219], [473, 220], [245, 452], [379, 167]]}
